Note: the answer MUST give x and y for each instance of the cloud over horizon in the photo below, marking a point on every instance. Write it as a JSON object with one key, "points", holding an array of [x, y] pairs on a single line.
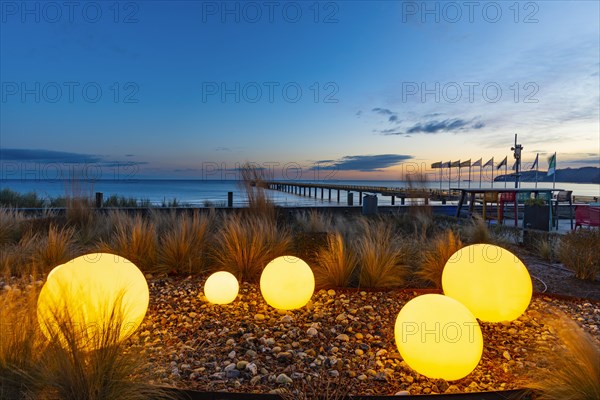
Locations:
{"points": [[437, 126], [39, 155], [392, 116], [363, 163], [43, 156]]}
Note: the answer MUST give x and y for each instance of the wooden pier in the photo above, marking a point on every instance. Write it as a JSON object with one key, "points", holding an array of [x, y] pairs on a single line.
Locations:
{"points": [[326, 189]]}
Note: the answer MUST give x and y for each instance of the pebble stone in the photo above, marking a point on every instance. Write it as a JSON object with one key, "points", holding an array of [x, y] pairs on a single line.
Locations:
{"points": [[247, 346]]}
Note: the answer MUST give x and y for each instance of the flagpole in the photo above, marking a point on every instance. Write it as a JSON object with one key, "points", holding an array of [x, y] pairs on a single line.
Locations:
{"points": [[554, 177], [493, 166], [441, 175], [449, 174], [469, 176], [536, 165], [480, 173], [459, 174], [505, 172]]}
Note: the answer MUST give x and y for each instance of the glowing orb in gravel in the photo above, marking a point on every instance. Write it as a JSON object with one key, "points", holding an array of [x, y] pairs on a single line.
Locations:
{"points": [[92, 300], [491, 281], [221, 288], [438, 337], [287, 283]]}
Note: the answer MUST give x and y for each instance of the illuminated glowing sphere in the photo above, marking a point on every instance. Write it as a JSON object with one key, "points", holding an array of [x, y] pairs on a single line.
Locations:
{"points": [[95, 295], [287, 283], [491, 281], [221, 288], [438, 337]]}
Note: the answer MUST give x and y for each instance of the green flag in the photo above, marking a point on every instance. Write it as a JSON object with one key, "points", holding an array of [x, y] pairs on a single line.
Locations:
{"points": [[552, 164]]}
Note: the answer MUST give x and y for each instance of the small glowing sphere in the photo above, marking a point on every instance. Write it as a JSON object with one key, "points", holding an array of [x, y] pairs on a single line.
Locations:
{"points": [[287, 283], [491, 281], [221, 288], [438, 337], [92, 298]]}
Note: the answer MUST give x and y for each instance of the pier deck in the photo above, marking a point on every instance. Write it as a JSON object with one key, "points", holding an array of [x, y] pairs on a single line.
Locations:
{"points": [[311, 190]]}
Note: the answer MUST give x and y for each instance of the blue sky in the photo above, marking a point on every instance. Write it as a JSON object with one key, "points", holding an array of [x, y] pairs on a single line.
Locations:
{"points": [[353, 89]]}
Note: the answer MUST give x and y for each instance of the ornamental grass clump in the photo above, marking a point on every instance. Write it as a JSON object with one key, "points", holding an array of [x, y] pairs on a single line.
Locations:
{"points": [[477, 231], [11, 225], [73, 372], [570, 370], [436, 254], [315, 221], [382, 256], [62, 366], [246, 243], [335, 263], [135, 239], [21, 346], [578, 251], [183, 248], [55, 248]]}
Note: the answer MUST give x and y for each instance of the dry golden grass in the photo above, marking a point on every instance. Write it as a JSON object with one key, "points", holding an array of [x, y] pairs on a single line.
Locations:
{"points": [[98, 227], [57, 247], [16, 258], [20, 345], [505, 234], [435, 256], [422, 219], [335, 263], [381, 256], [572, 367], [477, 231], [252, 181], [184, 248], [33, 367], [163, 221], [80, 211], [315, 221], [545, 249], [578, 251], [247, 243], [73, 373], [134, 239], [11, 225]]}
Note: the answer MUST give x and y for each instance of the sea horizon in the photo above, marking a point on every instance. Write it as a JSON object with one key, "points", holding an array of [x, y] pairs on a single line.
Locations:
{"points": [[214, 192]]}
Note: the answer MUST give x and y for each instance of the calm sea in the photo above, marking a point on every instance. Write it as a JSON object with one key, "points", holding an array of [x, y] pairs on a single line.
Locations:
{"points": [[214, 192]]}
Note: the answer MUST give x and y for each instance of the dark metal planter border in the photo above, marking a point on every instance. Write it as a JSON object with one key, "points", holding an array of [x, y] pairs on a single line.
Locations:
{"points": [[517, 394]]}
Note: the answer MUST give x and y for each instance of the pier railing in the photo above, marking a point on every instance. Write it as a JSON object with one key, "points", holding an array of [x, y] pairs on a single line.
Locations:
{"points": [[306, 189]]}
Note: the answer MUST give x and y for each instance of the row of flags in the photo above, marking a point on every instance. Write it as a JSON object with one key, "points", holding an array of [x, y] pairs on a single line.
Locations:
{"points": [[490, 162]]}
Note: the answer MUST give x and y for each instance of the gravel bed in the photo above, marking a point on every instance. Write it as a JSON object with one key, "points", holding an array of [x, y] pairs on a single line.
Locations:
{"points": [[344, 336]]}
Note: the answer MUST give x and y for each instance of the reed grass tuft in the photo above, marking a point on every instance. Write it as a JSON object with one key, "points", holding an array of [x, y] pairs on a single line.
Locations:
{"points": [[247, 243], [57, 247], [335, 263], [382, 258], [184, 248], [135, 239], [571, 369], [578, 251], [436, 254]]}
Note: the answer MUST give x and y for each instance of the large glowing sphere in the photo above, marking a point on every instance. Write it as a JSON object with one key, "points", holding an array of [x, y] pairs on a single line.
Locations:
{"points": [[438, 337], [287, 283], [221, 288], [491, 281], [92, 300]]}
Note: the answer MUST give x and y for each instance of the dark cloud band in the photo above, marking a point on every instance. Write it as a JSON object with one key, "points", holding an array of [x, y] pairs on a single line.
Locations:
{"points": [[368, 163]]}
